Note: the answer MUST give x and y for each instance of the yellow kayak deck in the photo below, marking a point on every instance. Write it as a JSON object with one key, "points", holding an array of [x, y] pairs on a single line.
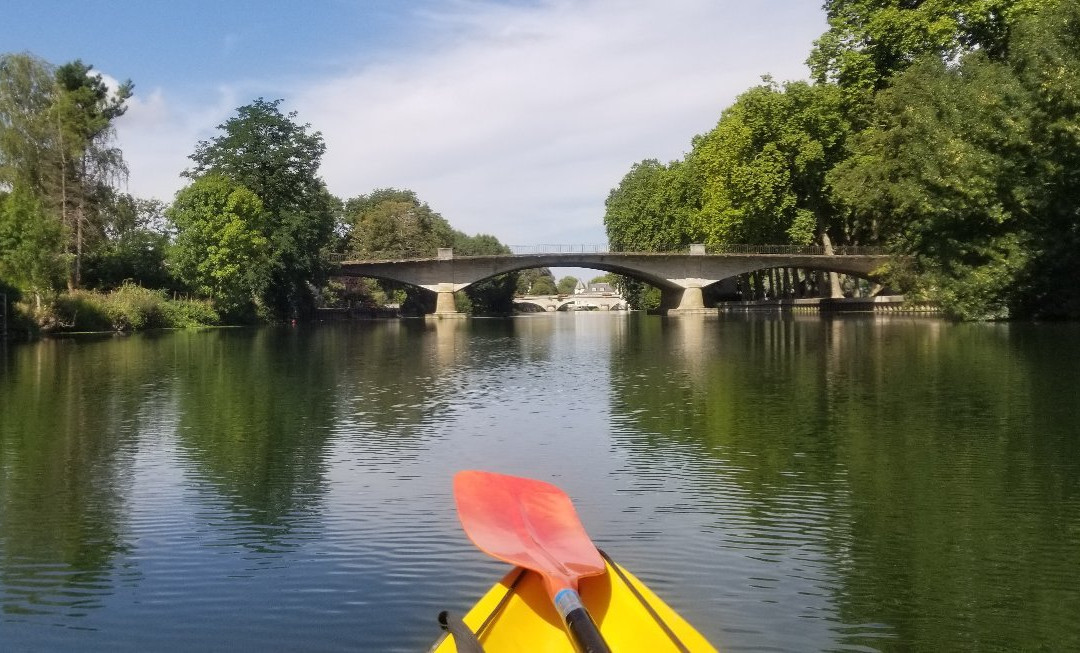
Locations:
{"points": [[517, 615]]}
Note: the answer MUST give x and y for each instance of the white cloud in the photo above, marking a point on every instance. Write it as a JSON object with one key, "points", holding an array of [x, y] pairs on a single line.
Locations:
{"points": [[157, 136], [522, 121], [515, 120]]}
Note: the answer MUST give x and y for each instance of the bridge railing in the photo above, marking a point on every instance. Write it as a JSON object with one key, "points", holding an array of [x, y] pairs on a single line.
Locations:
{"points": [[849, 250], [525, 250], [529, 250], [809, 250], [394, 255]]}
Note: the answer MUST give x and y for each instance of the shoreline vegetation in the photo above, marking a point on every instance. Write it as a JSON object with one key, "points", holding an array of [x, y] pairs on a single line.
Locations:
{"points": [[126, 309], [944, 133]]}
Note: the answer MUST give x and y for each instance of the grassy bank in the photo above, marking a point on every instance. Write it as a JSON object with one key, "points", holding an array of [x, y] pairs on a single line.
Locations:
{"points": [[128, 308]]}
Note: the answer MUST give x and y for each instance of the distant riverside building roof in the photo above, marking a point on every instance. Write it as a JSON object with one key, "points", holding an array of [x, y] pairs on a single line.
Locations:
{"points": [[600, 287]]}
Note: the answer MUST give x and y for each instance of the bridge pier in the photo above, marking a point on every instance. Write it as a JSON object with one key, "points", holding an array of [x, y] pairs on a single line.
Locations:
{"points": [[686, 300], [445, 302], [445, 306], [691, 299]]}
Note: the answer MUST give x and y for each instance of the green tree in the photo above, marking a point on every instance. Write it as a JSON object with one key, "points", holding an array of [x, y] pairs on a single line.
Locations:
{"points": [[566, 285], [544, 286], [494, 296], [278, 160], [84, 112], [973, 168], [30, 243], [220, 250], [1045, 56], [391, 223], [28, 147], [763, 166], [938, 175], [655, 208], [527, 279], [134, 245], [56, 141], [868, 41]]}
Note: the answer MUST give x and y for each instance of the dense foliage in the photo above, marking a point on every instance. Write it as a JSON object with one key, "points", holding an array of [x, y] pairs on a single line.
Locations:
{"points": [[252, 233], [57, 165], [945, 131], [391, 223], [278, 160], [221, 250]]}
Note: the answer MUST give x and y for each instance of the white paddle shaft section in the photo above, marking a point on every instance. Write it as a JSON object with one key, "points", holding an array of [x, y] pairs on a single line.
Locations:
{"points": [[566, 601]]}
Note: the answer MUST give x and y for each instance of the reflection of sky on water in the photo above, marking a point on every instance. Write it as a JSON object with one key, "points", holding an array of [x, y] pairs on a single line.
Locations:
{"points": [[782, 483]]}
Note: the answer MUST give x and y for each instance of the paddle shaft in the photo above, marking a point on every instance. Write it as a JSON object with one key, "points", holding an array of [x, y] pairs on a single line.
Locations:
{"points": [[579, 622]]}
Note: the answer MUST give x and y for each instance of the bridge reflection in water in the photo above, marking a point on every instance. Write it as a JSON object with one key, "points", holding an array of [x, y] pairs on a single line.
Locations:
{"points": [[679, 276]]}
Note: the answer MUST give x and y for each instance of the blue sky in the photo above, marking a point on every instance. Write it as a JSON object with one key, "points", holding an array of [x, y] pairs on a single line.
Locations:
{"points": [[514, 118]]}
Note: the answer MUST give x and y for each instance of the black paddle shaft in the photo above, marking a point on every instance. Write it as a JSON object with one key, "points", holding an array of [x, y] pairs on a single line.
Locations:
{"points": [[585, 633], [583, 630]]}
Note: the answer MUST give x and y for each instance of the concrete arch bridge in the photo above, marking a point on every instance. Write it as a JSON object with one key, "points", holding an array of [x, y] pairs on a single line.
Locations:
{"points": [[578, 302], [679, 276]]}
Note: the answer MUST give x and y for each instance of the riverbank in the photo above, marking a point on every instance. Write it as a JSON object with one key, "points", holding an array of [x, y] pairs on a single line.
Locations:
{"points": [[881, 304], [126, 309]]}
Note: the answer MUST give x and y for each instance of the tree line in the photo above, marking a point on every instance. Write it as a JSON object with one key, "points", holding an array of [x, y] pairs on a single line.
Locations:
{"points": [[947, 132], [251, 237]]}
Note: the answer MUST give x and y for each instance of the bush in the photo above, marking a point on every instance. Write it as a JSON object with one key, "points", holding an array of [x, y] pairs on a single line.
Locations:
{"points": [[80, 310], [128, 308], [132, 308], [189, 313]]}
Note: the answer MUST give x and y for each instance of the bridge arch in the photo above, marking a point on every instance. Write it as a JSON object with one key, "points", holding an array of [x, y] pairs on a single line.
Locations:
{"points": [[680, 277]]}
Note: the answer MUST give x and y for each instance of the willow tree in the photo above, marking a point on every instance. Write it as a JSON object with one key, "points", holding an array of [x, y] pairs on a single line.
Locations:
{"points": [[57, 143]]}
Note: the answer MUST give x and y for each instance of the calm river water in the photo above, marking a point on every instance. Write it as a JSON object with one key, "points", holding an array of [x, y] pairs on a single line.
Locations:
{"points": [[788, 484]]}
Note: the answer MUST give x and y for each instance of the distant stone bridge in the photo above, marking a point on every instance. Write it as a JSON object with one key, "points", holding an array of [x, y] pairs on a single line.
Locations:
{"points": [[580, 301], [680, 277]]}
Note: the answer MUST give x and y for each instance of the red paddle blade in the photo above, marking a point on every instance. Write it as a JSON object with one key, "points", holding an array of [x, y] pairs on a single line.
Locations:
{"points": [[527, 523]]}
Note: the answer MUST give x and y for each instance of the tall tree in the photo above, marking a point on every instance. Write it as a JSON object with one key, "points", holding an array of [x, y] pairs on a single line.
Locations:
{"points": [[654, 208], [31, 240], [278, 160], [57, 141], [220, 249], [973, 169], [84, 112], [762, 168], [868, 41], [394, 223], [1045, 56], [28, 145]]}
